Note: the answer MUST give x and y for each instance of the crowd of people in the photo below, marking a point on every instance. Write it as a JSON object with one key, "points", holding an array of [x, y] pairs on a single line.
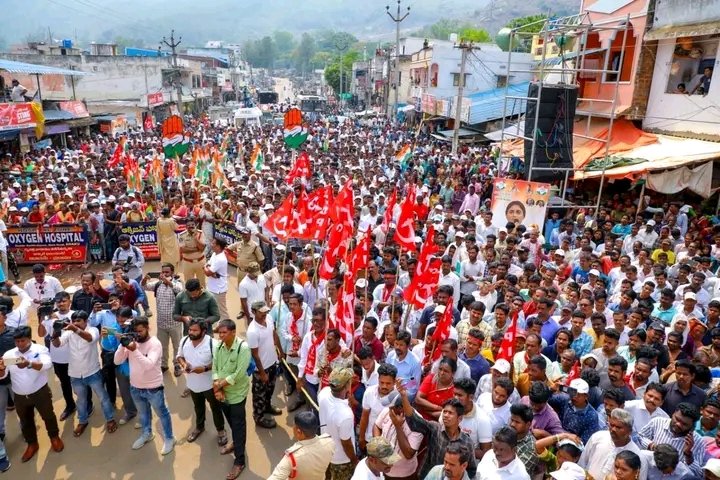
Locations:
{"points": [[614, 314]]}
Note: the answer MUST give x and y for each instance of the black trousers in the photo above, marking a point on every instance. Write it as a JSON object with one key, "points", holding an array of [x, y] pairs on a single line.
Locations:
{"points": [[235, 416], [61, 372], [215, 408], [25, 406], [108, 374], [262, 392]]}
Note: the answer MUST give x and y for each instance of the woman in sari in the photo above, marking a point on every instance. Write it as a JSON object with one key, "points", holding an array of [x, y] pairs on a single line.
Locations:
{"points": [[435, 389]]}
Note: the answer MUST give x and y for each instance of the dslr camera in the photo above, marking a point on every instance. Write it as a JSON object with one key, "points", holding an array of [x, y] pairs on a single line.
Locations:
{"points": [[58, 326], [127, 338]]}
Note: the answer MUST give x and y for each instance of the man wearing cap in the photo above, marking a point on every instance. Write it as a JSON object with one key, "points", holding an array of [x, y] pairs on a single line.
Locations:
{"points": [[576, 414], [252, 288], [648, 236], [192, 245], [309, 457], [247, 251], [380, 458], [261, 340], [337, 420]]}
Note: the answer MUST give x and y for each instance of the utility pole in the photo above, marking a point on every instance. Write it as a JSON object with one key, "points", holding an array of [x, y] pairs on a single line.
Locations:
{"points": [[342, 45], [397, 19], [464, 47], [178, 84]]}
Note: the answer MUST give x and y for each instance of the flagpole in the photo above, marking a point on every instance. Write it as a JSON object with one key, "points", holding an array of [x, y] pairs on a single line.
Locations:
{"points": [[406, 316], [397, 276]]}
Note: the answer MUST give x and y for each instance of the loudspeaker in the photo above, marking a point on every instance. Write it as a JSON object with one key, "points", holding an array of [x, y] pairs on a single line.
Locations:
{"points": [[553, 132]]}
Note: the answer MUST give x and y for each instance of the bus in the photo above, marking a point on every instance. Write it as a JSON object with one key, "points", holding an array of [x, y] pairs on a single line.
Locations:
{"points": [[311, 103]]}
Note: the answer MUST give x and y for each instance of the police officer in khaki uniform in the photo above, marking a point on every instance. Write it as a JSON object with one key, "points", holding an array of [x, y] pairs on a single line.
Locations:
{"points": [[310, 456], [192, 245], [247, 251]]}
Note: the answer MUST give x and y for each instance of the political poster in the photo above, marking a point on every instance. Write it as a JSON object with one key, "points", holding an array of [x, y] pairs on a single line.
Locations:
{"points": [[143, 235], [56, 244], [519, 202], [230, 234]]}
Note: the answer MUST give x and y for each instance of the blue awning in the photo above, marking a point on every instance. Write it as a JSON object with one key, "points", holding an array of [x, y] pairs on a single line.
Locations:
{"points": [[489, 105], [32, 69], [56, 115]]}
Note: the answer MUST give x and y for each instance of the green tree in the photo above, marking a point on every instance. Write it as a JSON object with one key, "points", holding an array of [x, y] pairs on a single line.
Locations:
{"points": [[304, 53], [442, 29], [268, 52], [332, 72], [320, 60], [284, 42], [475, 35], [528, 24]]}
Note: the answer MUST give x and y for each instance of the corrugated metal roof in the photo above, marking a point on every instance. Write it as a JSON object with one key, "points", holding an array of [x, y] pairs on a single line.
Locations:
{"points": [[56, 115], [675, 31], [571, 55], [32, 69], [489, 105]]}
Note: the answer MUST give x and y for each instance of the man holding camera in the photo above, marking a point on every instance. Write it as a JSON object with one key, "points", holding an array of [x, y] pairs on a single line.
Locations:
{"points": [[195, 358], [27, 364], [146, 381], [216, 271], [42, 289], [131, 260], [166, 288], [84, 367]]}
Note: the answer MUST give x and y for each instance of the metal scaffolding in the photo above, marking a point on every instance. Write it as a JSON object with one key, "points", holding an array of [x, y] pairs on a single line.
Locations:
{"points": [[575, 28]]}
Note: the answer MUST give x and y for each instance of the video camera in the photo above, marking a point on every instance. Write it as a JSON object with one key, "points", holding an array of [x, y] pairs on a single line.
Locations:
{"points": [[127, 338], [58, 326]]}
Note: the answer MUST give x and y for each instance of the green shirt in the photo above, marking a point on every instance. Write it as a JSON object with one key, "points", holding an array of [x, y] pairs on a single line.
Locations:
{"points": [[232, 364], [205, 306]]}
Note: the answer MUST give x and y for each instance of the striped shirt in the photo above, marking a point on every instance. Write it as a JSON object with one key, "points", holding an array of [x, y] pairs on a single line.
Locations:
{"points": [[658, 431]]}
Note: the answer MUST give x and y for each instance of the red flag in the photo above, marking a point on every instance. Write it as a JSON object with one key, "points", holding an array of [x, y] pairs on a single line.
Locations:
{"points": [[343, 208], [279, 221], [442, 331], [318, 204], [301, 168], [336, 249], [360, 255], [575, 373], [387, 217], [345, 311], [300, 218], [405, 230], [423, 285], [119, 154], [507, 348]]}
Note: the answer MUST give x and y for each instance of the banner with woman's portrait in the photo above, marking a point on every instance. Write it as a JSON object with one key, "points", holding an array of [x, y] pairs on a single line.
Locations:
{"points": [[519, 202]]}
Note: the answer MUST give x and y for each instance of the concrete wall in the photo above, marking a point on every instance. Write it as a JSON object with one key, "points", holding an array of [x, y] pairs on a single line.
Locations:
{"points": [[673, 112], [685, 12]]}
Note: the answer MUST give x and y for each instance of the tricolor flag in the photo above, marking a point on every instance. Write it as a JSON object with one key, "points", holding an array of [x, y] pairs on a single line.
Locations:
{"points": [[257, 159], [403, 156]]}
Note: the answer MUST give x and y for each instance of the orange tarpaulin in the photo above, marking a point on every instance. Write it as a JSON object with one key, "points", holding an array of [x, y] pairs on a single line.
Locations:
{"points": [[625, 136]]}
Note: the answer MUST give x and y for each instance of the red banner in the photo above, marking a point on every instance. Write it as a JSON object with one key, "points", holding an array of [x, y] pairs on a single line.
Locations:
{"points": [[59, 244], [16, 115], [76, 107], [155, 99]]}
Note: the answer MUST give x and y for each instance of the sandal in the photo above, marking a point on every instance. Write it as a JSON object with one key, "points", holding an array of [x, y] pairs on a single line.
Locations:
{"points": [[222, 439], [80, 429], [194, 435], [185, 393], [228, 448], [111, 426], [235, 472]]}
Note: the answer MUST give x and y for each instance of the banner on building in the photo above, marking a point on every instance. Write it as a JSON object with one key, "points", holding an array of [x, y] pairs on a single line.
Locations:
{"points": [[519, 202], [155, 99], [75, 107], [16, 115], [143, 236], [230, 234], [57, 244]]}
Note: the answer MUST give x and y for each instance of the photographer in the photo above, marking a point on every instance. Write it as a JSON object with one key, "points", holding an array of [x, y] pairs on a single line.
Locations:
{"points": [[195, 358], [166, 288], [42, 289], [84, 367], [195, 302], [131, 259], [90, 293], [7, 342], [16, 317], [130, 292], [146, 381], [111, 320]]}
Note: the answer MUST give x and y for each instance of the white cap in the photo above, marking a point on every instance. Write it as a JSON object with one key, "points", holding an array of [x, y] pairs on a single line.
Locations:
{"points": [[439, 309], [587, 356], [595, 272], [502, 366], [580, 385], [650, 223], [418, 240], [569, 471], [560, 252], [268, 206], [690, 296], [713, 466], [438, 207], [111, 198], [360, 283], [460, 234]]}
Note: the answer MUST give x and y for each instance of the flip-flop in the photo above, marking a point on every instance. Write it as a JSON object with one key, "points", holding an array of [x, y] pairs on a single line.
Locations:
{"points": [[111, 426], [194, 435], [222, 439], [235, 472], [185, 393], [228, 448]]}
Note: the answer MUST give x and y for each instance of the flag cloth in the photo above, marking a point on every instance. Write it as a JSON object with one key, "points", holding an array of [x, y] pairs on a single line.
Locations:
{"points": [[442, 331], [300, 169], [360, 255], [507, 347], [318, 204], [218, 172], [133, 175], [404, 156], [343, 208], [345, 311], [202, 168], [405, 229], [175, 141], [388, 215], [299, 222], [119, 154], [427, 273], [337, 244], [279, 222], [257, 159]]}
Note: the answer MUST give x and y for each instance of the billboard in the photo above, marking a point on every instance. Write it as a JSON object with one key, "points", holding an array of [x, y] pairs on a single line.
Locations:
{"points": [[56, 244], [520, 202]]}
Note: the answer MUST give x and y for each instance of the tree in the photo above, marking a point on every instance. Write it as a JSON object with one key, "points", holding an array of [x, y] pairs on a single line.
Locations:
{"points": [[442, 29], [332, 72], [475, 35], [284, 42], [304, 53], [268, 52], [528, 24]]}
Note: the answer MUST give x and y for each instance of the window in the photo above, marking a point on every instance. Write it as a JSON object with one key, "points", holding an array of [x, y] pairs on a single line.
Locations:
{"points": [[691, 67], [502, 81], [616, 55], [456, 79]]}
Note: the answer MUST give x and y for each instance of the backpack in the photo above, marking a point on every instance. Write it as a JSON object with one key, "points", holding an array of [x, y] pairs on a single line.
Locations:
{"points": [[252, 366], [133, 248]]}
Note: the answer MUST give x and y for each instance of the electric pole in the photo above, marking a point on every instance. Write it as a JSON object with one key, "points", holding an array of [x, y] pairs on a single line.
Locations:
{"points": [[342, 45], [397, 19], [178, 84], [464, 47]]}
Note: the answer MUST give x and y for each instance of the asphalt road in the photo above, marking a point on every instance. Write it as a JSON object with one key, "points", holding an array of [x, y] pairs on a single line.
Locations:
{"points": [[98, 455]]}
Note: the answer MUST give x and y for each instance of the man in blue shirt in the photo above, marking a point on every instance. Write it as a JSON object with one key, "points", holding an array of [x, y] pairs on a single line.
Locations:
{"points": [[577, 415], [408, 367], [479, 366]]}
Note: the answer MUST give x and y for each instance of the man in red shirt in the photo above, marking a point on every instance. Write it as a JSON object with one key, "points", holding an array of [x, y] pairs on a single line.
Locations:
{"points": [[369, 339]]}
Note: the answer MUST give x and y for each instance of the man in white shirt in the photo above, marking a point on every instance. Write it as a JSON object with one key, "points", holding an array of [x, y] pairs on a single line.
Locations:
{"points": [[381, 457], [195, 357], [84, 369], [17, 94], [474, 422], [501, 462], [495, 404], [42, 289], [374, 400], [28, 364], [649, 407], [261, 340], [337, 420], [448, 277], [216, 271], [252, 289]]}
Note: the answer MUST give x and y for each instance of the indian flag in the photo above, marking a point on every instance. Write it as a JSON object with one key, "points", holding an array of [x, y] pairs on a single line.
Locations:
{"points": [[404, 155], [257, 159]]}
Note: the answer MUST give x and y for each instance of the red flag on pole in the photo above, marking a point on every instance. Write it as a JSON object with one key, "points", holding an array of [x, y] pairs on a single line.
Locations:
{"points": [[301, 217], [405, 230], [345, 312], [318, 204], [507, 348], [301, 168], [279, 221], [336, 248], [343, 208], [427, 273], [387, 217], [360, 255]]}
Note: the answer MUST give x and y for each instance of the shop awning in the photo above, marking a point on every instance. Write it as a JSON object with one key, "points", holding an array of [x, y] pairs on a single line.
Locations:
{"points": [[81, 122], [32, 69], [56, 128], [676, 31], [57, 115], [511, 131], [490, 104], [624, 137]]}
